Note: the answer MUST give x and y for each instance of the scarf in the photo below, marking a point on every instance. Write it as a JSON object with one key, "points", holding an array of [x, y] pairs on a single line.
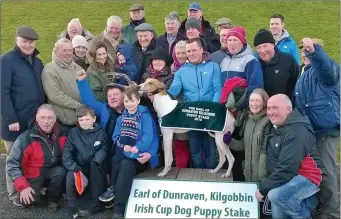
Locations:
{"points": [[138, 22], [80, 61], [176, 64], [112, 41], [153, 73]]}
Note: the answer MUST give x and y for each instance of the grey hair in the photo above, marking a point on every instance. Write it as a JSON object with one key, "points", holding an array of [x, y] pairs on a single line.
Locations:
{"points": [[62, 40], [46, 107], [114, 18], [74, 20], [172, 16]]}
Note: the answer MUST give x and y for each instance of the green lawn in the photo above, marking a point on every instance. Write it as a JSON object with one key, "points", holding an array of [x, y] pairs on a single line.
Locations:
{"points": [[303, 18]]}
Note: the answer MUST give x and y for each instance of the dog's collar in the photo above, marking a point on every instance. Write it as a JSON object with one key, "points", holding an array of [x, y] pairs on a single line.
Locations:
{"points": [[156, 91]]}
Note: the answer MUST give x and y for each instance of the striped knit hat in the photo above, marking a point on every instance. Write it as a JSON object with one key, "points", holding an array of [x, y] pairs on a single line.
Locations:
{"points": [[238, 32]]}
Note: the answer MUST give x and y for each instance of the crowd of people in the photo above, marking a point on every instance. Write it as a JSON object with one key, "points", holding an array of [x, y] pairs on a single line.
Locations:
{"points": [[80, 114]]}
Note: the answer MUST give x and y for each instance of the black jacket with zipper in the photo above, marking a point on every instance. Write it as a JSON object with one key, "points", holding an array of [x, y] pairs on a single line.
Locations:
{"points": [[83, 146], [280, 74], [290, 150]]}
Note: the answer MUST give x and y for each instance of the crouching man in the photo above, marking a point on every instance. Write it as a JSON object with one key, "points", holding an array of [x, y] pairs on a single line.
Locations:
{"points": [[35, 160], [294, 165]]}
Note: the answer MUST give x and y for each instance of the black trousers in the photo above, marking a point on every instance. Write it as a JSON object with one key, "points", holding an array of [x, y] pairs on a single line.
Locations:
{"points": [[96, 185], [123, 172], [237, 169], [54, 178]]}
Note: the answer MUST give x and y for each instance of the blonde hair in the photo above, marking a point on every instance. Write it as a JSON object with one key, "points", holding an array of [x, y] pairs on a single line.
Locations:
{"points": [[180, 45], [263, 94]]}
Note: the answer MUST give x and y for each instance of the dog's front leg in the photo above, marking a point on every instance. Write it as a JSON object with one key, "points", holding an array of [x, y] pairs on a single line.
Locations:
{"points": [[167, 144]]}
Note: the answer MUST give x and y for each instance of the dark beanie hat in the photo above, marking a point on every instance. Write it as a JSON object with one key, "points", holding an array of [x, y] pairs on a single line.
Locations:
{"points": [[160, 53], [263, 36], [193, 22]]}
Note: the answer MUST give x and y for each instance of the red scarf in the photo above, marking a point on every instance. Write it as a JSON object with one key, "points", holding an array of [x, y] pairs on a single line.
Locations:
{"points": [[153, 73]]}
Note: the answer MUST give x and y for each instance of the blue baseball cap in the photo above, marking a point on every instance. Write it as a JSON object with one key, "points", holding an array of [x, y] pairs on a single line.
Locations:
{"points": [[194, 6]]}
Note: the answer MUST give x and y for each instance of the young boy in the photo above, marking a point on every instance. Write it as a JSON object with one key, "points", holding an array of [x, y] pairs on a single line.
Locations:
{"points": [[84, 151], [135, 132]]}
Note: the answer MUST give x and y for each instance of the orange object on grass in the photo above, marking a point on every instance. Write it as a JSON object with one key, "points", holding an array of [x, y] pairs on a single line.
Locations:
{"points": [[81, 181]]}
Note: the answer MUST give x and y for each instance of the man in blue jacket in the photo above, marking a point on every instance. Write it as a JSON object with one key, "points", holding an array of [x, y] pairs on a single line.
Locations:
{"points": [[284, 42], [108, 114], [200, 81], [317, 95], [21, 90]]}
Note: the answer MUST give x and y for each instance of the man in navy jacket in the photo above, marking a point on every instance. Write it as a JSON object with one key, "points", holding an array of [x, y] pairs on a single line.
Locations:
{"points": [[21, 89], [317, 96]]}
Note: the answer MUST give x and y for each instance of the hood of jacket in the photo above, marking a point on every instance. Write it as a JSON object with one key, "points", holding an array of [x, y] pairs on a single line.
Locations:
{"points": [[284, 35], [127, 51]]}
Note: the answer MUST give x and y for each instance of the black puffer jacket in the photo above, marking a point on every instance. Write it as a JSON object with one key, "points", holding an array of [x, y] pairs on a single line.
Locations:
{"points": [[83, 146], [290, 150]]}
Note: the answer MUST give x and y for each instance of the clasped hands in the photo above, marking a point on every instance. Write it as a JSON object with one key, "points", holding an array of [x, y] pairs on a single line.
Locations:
{"points": [[128, 148]]}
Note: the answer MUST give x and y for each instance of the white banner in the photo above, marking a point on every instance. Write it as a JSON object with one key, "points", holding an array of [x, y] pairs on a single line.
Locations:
{"points": [[192, 199]]}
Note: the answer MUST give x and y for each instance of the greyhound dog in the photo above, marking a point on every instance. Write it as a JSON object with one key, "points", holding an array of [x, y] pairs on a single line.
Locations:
{"points": [[163, 105]]}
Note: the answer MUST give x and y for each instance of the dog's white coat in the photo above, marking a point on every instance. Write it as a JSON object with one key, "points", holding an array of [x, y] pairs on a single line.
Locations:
{"points": [[163, 105]]}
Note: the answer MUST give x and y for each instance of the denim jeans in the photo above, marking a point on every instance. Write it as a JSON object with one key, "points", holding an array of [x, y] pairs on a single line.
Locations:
{"points": [[203, 150], [295, 199]]}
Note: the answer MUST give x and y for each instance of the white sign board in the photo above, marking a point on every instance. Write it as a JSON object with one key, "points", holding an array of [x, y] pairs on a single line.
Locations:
{"points": [[191, 199]]}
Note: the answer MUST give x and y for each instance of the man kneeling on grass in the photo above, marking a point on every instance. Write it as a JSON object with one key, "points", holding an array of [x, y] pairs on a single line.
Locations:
{"points": [[135, 133], [295, 167], [35, 160], [85, 151]]}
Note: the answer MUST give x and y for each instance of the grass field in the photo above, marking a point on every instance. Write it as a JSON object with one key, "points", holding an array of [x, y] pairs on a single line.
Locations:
{"points": [[49, 18]]}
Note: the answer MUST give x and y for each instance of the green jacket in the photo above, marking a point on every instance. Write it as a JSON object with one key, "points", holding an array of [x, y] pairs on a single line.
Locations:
{"points": [[254, 164], [97, 81], [129, 32]]}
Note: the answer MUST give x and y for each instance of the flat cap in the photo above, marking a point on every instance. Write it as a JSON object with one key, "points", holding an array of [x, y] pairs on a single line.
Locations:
{"points": [[144, 27], [136, 7], [27, 32], [224, 20]]}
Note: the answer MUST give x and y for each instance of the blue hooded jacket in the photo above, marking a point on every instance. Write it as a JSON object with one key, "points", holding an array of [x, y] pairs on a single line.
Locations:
{"points": [[103, 111], [146, 134], [317, 93], [129, 68], [200, 82]]}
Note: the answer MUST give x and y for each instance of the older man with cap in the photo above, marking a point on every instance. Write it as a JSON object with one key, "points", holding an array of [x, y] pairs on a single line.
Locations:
{"points": [[143, 47], [172, 35], [280, 70], [317, 95], [205, 28], [223, 26], [112, 36], [193, 32], [136, 12], [22, 91], [59, 80]]}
